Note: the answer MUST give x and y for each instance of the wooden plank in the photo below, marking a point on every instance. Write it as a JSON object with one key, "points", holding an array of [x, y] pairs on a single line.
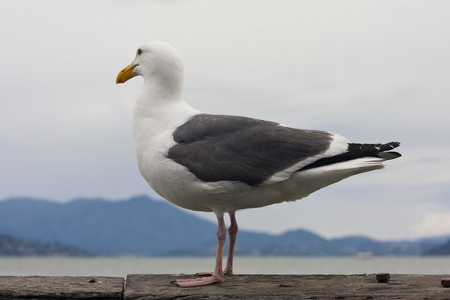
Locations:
{"points": [[363, 286], [61, 287]]}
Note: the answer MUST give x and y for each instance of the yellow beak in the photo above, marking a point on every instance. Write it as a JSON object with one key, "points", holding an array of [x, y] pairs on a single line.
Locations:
{"points": [[125, 74]]}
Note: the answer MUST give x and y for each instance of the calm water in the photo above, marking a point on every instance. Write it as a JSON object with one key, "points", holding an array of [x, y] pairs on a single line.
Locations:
{"points": [[243, 265]]}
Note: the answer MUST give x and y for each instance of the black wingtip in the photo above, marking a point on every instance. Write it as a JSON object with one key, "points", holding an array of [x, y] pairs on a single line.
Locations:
{"points": [[389, 146], [389, 155], [386, 154], [356, 150]]}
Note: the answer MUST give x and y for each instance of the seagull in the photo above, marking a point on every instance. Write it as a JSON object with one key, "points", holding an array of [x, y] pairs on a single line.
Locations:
{"points": [[224, 163]]}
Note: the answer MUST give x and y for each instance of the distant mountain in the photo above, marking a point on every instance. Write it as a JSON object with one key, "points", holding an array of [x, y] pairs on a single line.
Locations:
{"points": [[139, 226], [10, 246], [142, 226], [441, 249]]}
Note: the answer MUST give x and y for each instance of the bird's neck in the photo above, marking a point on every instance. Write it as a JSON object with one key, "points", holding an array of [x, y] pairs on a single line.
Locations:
{"points": [[162, 90], [158, 110]]}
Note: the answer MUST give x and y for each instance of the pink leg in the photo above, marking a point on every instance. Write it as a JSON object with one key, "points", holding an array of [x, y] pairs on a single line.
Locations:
{"points": [[232, 232], [217, 276]]}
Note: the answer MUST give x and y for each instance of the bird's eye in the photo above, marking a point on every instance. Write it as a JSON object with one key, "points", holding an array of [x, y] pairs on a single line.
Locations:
{"points": [[139, 51]]}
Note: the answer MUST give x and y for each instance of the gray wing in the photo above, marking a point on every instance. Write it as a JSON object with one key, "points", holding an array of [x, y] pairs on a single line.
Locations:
{"points": [[231, 148]]}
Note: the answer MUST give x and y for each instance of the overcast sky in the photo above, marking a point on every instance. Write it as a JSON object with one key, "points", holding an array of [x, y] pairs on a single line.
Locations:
{"points": [[373, 71]]}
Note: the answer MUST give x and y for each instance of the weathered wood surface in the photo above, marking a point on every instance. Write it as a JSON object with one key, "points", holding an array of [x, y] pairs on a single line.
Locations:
{"points": [[233, 287], [61, 287], [291, 287]]}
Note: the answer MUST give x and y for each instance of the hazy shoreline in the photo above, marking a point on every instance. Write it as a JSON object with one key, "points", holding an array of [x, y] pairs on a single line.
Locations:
{"points": [[121, 266]]}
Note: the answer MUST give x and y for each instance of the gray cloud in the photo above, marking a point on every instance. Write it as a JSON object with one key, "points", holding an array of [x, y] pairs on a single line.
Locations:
{"points": [[372, 72]]}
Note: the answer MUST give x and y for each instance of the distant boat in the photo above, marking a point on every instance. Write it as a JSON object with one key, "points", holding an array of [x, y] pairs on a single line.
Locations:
{"points": [[364, 255]]}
